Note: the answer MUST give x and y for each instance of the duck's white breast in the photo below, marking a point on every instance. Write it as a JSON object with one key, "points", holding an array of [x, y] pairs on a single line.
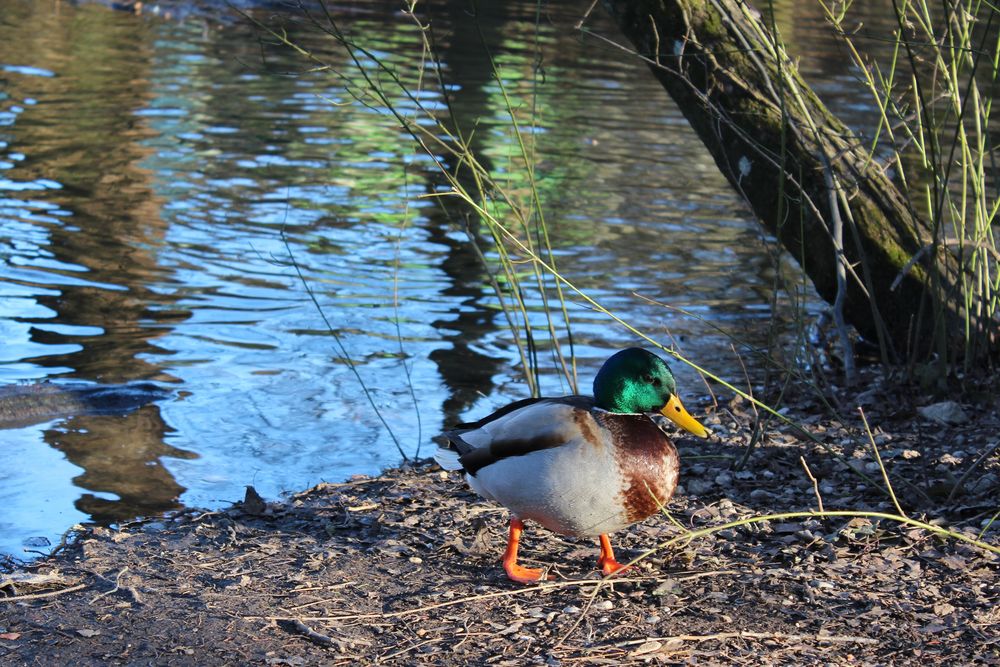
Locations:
{"points": [[574, 489], [573, 470]]}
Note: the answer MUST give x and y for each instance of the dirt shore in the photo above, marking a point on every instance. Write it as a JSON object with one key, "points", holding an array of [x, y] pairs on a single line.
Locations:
{"points": [[404, 568]]}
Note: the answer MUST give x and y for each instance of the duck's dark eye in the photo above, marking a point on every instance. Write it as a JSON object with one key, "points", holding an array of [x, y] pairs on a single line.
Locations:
{"points": [[648, 379], [656, 382]]}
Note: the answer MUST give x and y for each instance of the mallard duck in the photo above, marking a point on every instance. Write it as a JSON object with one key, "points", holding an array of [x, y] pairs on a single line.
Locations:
{"points": [[578, 465]]}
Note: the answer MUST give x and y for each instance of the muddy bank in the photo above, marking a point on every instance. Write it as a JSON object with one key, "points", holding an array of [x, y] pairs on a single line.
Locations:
{"points": [[404, 568]]}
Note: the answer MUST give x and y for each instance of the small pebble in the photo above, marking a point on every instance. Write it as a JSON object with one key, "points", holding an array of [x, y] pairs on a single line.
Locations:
{"points": [[946, 412], [697, 487]]}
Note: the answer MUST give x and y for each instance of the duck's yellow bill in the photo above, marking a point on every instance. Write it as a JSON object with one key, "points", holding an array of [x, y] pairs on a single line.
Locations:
{"points": [[676, 413]]}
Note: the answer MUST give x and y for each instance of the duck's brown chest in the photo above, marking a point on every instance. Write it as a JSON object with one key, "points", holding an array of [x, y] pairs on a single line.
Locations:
{"points": [[647, 460]]}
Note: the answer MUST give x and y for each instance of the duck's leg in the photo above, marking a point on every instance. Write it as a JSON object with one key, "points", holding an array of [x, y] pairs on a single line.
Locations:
{"points": [[516, 572], [607, 561]]}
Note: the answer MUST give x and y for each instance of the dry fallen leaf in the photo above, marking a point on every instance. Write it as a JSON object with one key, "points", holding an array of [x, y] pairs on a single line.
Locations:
{"points": [[363, 508], [649, 647], [253, 503]]}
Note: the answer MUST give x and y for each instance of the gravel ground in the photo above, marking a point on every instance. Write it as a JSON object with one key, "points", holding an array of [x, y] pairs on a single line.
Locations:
{"points": [[404, 568]]}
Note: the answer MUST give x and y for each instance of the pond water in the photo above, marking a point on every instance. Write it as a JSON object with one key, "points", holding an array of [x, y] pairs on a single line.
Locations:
{"points": [[149, 166]]}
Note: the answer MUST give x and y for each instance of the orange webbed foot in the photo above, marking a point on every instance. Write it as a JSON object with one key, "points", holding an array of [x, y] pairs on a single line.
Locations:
{"points": [[524, 575], [518, 573], [609, 567], [607, 561]]}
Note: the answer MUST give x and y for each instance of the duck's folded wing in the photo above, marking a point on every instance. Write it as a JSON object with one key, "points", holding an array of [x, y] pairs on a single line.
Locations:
{"points": [[505, 410], [518, 429]]}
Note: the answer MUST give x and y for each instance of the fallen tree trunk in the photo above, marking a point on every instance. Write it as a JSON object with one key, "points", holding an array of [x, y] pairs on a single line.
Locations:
{"points": [[802, 171]]}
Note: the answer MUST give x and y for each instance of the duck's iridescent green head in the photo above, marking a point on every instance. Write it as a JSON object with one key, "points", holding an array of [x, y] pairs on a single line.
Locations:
{"points": [[635, 380]]}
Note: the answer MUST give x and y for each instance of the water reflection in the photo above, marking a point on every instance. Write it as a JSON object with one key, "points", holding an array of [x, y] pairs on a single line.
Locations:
{"points": [[150, 167], [102, 222], [81, 254], [126, 480]]}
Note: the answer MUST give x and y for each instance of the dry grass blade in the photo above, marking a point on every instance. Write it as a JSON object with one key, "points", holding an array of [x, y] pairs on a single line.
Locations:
{"points": [[746, 634], [881, 465], [439, 605]]}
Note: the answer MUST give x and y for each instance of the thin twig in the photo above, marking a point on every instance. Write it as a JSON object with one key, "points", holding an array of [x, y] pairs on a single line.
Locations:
{"points": [[298, 627], [396, 654], [39, 596], [583, 612], [417, 610], [609, 581], [837, 234], [338, 341], [323, 601], [988, 524], [813, 514], [586, 15], [396, 316], [117, 587], [961, 480], [819, 498], [64, 541], [759, 422], [540, 588]]}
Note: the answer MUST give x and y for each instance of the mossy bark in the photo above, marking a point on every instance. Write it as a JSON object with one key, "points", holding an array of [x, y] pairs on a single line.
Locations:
{"points": [[780, 147]]}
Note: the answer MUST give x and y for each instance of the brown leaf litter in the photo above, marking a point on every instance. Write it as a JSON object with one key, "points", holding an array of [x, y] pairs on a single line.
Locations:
{"points": [[404, 568]]}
